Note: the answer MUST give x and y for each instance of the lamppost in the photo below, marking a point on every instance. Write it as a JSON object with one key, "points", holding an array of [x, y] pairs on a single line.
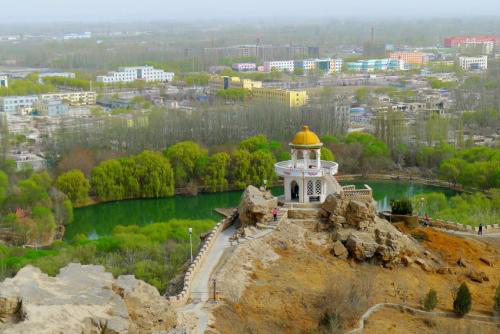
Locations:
{"points": [[422, 206], [191, 242]]}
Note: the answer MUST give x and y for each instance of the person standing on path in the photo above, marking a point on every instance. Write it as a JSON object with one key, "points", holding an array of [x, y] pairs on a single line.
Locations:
{"points": [[480, 231], [426, 220], [275, 214]]}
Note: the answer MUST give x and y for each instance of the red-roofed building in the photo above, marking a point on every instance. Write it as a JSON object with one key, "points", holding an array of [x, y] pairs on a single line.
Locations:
{"points": [[457, 41]]}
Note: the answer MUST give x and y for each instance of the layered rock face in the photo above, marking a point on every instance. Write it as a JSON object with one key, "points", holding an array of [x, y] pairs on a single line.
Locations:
{"points": [[81, 299], [364, 235], [256, 206]]}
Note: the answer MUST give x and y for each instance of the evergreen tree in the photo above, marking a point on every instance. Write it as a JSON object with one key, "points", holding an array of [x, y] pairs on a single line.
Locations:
{"points": [[463, 301], [496, 300], [430, 300]]}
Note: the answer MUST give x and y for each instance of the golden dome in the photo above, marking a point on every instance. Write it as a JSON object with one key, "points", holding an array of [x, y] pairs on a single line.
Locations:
{"points": [[306, 137]]}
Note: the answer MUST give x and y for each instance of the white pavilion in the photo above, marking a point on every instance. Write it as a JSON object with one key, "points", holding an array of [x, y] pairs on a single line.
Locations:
{"points": [[307, 178]]}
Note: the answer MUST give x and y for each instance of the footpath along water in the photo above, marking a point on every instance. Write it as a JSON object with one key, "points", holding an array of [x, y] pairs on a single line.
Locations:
{"points": [[100, 219]]}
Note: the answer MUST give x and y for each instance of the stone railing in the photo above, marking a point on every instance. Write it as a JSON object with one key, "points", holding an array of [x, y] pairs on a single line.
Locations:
{"points": [[449, 225], [194, 267], [350, 192]]}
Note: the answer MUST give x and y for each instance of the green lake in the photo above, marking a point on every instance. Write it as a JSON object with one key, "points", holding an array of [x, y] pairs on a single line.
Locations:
{"points": [[99, 220]]}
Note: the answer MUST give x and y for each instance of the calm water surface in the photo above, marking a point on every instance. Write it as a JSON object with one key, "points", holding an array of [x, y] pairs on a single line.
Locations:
{"points": [[99, 220]]}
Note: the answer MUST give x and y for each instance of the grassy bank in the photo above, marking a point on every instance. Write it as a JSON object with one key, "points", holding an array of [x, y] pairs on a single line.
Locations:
{"points": [[154, 253], [469, 209]]}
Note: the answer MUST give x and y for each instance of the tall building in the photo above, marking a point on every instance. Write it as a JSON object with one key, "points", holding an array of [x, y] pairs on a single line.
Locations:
{"points": [[473, 63], [4, 81], [457, 41], [260, 52], [376, 65], [410, 58], [129, 74]]}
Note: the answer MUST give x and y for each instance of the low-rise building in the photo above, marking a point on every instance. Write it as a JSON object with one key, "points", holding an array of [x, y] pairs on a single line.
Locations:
{"points": [[51, 108], [327, 65], [458, 41], [13, 104], [473, 63], [69, 75], [26, 161], [217, 83], [84, 35], [376, 65], [305, 64], [130, 74], [290, 98], [279, 65], [245, 67], [73, 98], [410, 58]]}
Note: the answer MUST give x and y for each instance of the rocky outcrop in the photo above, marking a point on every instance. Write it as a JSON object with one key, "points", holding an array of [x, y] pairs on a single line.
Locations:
{"points": [[81, 299], [256, 206], [365, 236]]}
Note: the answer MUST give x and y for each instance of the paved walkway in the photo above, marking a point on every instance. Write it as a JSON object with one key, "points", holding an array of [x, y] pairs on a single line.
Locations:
{"points": [[201, 284], [473, 234]]}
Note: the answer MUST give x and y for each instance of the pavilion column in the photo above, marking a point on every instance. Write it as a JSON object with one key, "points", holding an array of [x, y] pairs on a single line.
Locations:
{"points": [[294, 158], [318, 159], [306, 159]]}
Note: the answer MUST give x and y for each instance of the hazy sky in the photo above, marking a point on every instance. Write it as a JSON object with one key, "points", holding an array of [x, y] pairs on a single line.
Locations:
{"points": [[141, 10]]}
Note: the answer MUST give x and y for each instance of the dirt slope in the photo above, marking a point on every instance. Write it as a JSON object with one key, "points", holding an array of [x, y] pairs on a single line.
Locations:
{"points": [[278, 284]]}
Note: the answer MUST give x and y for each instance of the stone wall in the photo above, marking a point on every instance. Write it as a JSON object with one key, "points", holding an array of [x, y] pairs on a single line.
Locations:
{"points": [[182, 297]]}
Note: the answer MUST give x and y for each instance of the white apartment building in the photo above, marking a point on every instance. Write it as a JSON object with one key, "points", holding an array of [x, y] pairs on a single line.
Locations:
{"points": [[4, 81], [279, 65], [129, 74], [327, 65], [69, 75], [245, 67], [306, 64], [14, 104], [473, 63]]}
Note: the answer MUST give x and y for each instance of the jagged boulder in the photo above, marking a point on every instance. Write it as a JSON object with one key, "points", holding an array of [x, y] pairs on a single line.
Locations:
{"points": [[339, 250], [364, 235], [80, 299], [256, 206], [360, 214]]}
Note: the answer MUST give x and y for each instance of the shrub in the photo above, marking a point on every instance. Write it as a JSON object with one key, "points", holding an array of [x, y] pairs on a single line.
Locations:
{"points": [[401, 207], [463, 301], [430, 300]]}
